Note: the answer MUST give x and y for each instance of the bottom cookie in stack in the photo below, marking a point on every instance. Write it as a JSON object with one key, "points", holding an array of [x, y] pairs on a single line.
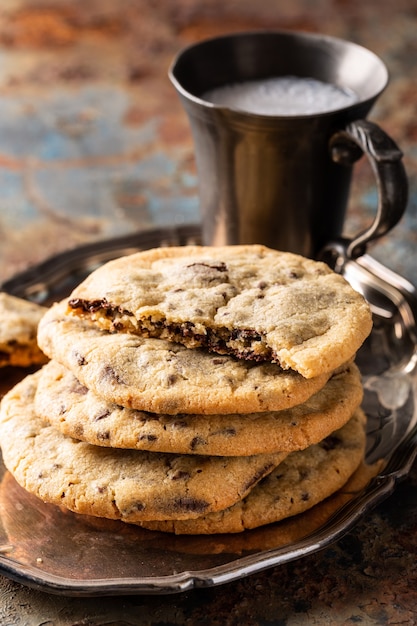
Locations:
{"points": [[303, 479]]}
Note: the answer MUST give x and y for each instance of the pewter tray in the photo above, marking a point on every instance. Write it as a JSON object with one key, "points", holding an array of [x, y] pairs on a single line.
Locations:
{"points": [[57, 551]]}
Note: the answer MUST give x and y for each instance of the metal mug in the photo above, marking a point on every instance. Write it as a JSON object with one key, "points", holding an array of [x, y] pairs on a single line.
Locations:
{"points": [[284, 180]]}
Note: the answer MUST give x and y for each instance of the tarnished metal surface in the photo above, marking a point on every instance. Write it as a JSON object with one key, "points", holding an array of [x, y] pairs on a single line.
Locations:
{"points": [[53, 550], [94, 143]]}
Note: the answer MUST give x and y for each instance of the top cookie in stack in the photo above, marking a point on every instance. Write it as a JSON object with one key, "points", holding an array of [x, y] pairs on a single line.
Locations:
{"points": [[248, 301]]}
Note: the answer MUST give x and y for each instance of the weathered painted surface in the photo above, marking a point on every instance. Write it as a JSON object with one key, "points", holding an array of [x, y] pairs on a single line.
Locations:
{"points": [[94, 142]]}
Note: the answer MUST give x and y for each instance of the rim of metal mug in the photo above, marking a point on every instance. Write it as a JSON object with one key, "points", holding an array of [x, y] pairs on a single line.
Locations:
{"points": [[291, 34]]}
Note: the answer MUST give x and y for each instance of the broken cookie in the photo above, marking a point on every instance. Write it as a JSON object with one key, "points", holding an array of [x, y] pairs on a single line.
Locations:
{"points": [[247, 301]]}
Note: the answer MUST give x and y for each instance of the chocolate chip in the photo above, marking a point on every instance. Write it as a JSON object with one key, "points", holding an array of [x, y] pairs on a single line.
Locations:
{"points": [[103, 436], [102, 416], [78, 430], [172, 379], [77, 387], [255, 479], [186, 329], [109, 373], [190, 504], [196, 442], [220, 267], [180, 475], [148, 438], [226, 432], [134, 507], [92, 306], [88, 306], [245, 335], [206, 274], [81, 360]]}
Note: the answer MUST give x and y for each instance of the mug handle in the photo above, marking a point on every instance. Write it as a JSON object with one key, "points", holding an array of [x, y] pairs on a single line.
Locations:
{"points": [[346, 147]]}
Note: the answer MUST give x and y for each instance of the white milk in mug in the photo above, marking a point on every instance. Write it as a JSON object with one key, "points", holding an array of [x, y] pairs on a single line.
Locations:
{"points": [[284, 95]]}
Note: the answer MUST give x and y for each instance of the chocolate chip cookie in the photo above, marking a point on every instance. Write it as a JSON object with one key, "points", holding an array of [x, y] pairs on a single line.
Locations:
{"points": [[78, 412], [19, 321], [248, 301]]}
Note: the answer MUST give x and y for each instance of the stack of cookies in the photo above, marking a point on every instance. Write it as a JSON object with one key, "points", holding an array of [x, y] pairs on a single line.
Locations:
{"points": [[194, 390]]}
